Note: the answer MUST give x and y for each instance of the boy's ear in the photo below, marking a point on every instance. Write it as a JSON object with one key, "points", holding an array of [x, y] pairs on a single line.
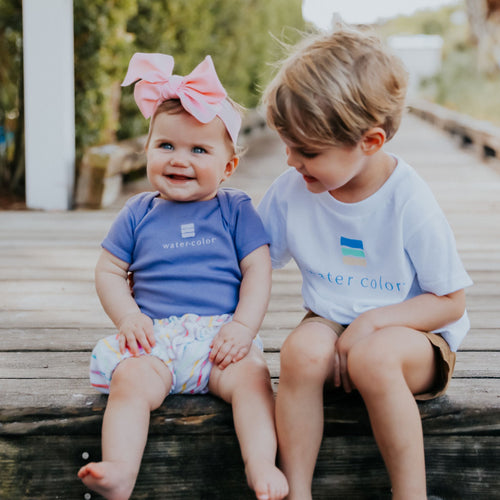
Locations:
{"points": [[373, 140]]}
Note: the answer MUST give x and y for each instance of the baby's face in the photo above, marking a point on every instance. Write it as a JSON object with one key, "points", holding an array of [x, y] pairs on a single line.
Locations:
{"points": [[187, 160]]}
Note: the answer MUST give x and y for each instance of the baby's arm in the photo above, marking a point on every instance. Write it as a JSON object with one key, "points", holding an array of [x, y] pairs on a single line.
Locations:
{"points": [[426, 312], [234, 339], [116, 298]]}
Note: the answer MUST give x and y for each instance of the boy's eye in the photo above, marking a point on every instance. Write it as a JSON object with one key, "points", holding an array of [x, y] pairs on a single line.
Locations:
{"points": [[166, 145], [199, 150], [308, 154]]}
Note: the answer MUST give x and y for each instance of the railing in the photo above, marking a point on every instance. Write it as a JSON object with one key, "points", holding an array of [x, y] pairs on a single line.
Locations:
{"points": [[482, 136]]}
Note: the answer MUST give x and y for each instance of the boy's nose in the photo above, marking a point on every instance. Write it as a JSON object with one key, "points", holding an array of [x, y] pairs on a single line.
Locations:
{"points": [[291, 159]]}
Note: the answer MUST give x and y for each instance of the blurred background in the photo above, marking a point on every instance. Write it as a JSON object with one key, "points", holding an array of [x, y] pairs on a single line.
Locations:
{"points": [[452, 49]]}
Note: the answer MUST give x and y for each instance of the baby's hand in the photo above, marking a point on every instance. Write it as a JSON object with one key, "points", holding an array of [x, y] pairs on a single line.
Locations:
{"points": [[231, 344], [136, 330]]}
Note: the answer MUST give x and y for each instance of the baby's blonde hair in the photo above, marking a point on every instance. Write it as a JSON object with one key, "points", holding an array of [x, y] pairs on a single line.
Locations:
{"points": [[174, 107], [335, 87]]}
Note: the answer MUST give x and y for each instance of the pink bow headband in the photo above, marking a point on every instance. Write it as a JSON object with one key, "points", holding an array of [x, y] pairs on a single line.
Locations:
{"points": [[201, 93]]}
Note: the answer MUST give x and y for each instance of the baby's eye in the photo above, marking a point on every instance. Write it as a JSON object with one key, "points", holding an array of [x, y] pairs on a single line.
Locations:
{"points": [[166, 145], [199, 150]]}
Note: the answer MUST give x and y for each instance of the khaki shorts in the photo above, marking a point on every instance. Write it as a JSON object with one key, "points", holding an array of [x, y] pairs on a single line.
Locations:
{"points": [[445, 357]]}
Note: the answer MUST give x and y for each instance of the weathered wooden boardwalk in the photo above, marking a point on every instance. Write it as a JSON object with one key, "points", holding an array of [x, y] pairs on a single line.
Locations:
{"points": [[50, 319]]}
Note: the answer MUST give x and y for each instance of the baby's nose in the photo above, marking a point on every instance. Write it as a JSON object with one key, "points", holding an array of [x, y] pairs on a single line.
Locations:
{"points": [[179, 159]]}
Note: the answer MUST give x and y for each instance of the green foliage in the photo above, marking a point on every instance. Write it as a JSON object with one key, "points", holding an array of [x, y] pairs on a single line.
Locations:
{"points": [[460, 87], [236, 33], [427, 22], [102, 48], [11, 98]]}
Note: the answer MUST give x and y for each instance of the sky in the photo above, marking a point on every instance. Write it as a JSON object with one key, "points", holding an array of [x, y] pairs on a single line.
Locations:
{"points": [[364, 11]]}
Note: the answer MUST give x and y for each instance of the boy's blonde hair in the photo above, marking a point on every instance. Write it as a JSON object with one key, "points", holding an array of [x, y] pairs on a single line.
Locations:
{"points": [[335, 87]]}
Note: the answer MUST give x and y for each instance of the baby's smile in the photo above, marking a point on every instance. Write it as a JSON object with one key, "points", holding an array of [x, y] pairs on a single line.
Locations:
{"points": [[179, 177]]}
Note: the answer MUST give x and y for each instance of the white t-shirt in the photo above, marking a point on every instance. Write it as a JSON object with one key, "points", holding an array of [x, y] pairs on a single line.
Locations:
{"points": [[353, 257]]}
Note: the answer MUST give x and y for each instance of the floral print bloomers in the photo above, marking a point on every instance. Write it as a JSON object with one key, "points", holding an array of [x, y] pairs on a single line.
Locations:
{"points": [[182, 343]]}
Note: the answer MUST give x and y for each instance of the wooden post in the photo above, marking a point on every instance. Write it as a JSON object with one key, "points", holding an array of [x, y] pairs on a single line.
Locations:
{"points": [[49, 103]]}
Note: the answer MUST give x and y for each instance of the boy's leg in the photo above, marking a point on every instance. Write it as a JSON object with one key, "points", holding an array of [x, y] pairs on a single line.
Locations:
{"points": [[388, 368], [307, 361], [246, 385], [139, 385]]}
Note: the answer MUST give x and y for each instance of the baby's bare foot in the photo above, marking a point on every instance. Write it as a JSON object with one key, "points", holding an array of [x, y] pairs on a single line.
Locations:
{"points": [[110, 479], [268, 482]]}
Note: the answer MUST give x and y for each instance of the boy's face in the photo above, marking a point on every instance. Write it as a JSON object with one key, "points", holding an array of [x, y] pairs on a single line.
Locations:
{"points": [[334, 169], [187, 160]]}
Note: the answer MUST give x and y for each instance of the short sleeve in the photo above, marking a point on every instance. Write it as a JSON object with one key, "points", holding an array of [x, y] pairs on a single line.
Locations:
{"points": [[433, 252], [120, 240], [248, 229], [271, 210]]}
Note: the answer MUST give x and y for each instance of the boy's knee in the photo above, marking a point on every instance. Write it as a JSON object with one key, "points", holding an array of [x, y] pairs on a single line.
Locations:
{"points": [[304, 357], [370, 365]]}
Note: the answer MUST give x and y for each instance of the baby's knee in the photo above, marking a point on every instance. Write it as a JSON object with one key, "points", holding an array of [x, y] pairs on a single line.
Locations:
{"points": [[251, 374], [253, 368], [143, 377]]}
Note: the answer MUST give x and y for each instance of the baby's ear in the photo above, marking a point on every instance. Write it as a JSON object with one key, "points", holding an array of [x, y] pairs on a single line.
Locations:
{"points": [[373, 140], [231, 167]]}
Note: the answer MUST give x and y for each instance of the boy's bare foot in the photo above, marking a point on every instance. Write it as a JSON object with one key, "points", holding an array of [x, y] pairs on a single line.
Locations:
{"points": [[268, 482], [109, 479]]}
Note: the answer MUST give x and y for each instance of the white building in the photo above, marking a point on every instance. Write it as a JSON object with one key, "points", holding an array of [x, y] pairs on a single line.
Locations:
{"points": [[421, 55]]}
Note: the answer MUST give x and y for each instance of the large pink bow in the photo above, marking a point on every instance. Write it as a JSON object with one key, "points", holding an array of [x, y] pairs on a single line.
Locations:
{"points": [[201, 92]]}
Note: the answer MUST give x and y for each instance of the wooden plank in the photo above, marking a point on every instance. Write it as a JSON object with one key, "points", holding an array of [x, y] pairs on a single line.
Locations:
{"points": [[84, 339], [51, 339], [214, 461], [347, 467], [485, 319], [60, 318], [80, 296], [30, 365], [481, 340], [42, 274], [72, 407]]}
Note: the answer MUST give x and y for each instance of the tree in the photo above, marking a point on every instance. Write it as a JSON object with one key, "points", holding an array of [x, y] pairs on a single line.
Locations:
{"points": [[484, 21], [11, 98], [237, 33]]}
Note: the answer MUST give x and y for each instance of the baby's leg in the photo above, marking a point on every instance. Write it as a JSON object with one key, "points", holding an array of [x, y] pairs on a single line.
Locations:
{"points": [[388, 368], [139, 385], [246, 385], [307, 361]]}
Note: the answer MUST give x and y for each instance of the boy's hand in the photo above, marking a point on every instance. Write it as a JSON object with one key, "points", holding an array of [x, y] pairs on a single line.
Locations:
{"points": [[360, 328], [231, 344], [136, 330]]}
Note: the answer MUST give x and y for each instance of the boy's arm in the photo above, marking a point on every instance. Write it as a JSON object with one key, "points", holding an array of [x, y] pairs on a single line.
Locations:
{"points": [[234, 340], [426, 312], [116, 299]]}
